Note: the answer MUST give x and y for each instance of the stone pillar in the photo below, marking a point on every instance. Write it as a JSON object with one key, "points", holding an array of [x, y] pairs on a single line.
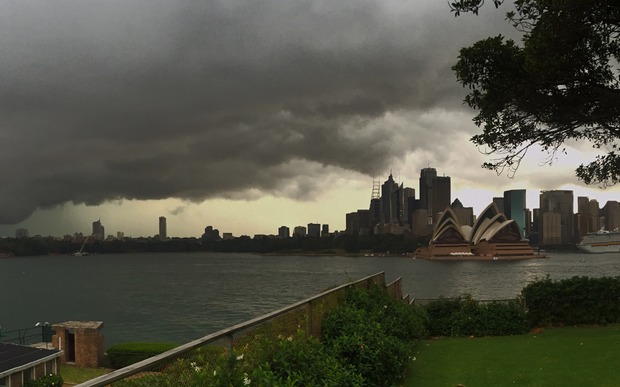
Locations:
{"points": [[81, 342]]}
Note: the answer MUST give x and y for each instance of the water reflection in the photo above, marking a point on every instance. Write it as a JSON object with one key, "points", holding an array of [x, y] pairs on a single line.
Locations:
{"points": [[179, 297]]}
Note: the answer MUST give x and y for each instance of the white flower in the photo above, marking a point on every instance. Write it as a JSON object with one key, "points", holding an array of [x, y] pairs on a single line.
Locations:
{"points": [[240, 357], [246, 380], [290, 338], [214, 372]]}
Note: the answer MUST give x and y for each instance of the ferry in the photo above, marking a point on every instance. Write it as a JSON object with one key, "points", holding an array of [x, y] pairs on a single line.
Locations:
{"points": [[602, 241]]}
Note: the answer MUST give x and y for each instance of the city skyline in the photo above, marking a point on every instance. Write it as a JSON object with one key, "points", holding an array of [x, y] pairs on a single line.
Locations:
{"points": [[127, 112], [160, 222]]}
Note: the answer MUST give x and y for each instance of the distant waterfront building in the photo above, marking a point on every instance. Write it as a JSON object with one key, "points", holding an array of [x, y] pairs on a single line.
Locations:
{"points": [[352, 223], [211, 234], [435, 192], [419, 223], [227, 236], [551, 231], [557, 202], [465, 215], [299, 231], [314, 230], [21, 233], [325, 230], [163, 233], [98, 231], [120, 235], [611, 211], [284, 232], [427, 176], [392, 201], [515, 207]]}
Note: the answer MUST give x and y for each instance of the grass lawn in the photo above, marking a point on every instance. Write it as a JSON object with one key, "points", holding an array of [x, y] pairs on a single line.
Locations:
{"points": [[582, 356], [74, 375]]}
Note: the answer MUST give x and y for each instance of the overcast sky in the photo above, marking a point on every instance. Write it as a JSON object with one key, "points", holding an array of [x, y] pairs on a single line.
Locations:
{"points": [[244, 115]]}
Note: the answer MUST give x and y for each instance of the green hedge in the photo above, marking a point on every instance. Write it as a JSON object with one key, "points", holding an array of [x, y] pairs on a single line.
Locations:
{"points": [[573, 301], [122, 355], [463, 316]]}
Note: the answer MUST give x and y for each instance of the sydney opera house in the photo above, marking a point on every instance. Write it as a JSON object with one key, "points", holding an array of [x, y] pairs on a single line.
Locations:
{"points": [[492, 237]]}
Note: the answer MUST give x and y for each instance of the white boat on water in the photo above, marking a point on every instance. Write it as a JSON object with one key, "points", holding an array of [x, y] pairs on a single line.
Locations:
{"points": [[602, 241]]}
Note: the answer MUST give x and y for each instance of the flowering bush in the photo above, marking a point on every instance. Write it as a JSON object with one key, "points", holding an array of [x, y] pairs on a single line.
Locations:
{"points": [[45, 381]]}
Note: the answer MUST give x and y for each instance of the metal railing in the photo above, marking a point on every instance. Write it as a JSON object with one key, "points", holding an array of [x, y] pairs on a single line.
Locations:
{"points": [[40, 333], [306, 315]]}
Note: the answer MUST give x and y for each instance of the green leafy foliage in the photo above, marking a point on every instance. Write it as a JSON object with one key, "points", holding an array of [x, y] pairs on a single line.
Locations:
{"points": [[573, 301], [464, 316], [561, 84], [372, 332], [124, 354], [45, 381]]}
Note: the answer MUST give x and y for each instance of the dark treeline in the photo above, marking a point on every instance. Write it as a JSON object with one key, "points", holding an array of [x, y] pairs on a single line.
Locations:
{"points": [[339, 244]]}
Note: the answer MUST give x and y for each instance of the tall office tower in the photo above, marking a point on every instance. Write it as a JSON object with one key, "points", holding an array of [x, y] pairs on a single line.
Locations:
{"points": [[441, 197], [98, 231], [435, 193], [551, 230], [352, 223], [284, 232], [374, 213], [408, 197], [596, 221], [427, 176], [314, 230], [583, 204], [391, 201], [611, 211], [324, 230], [558, 202], [419, 223], [514, 208], [163, 232], [21, 233], [363, 222], [528, 223]]}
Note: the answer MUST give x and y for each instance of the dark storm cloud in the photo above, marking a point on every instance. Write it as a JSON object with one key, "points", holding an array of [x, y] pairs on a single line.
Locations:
{"points": [[195, 99]]}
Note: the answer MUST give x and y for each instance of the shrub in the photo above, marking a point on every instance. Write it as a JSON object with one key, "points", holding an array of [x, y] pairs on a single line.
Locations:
{"points": [[573, 301], [370, 331], [122, 355], [440, 314], [45, 381], [464, 316]]}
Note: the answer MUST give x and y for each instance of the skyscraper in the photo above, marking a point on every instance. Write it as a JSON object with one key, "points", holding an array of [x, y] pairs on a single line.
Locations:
{"points": [[427, 175], [557, 202], [441, 194], [392, 202], [515, 207], [435, 192], [163, 233], [98, 231]]}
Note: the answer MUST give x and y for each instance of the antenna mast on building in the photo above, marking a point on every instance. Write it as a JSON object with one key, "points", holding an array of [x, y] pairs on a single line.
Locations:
{"points": [[376, 189]]}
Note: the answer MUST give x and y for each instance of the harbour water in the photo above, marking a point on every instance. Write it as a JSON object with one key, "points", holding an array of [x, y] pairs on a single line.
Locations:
{"points": [[182, 296]]}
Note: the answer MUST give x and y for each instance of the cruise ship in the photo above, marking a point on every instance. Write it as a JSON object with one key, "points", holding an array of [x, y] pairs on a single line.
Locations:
{"points": [[602, 241]]}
